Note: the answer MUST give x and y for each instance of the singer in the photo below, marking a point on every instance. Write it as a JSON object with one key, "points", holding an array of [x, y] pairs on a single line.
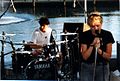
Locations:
{"points": [[96, 49]]}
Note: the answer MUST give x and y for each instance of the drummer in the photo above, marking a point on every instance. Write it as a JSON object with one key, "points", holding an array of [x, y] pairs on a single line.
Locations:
{"points": [[41, 36]]}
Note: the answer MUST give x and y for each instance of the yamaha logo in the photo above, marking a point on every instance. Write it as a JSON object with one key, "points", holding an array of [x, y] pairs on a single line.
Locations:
{"points": [[42, 66]]}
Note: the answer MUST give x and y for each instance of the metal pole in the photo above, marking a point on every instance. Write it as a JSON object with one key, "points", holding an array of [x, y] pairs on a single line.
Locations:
{"points": [[33, 1], [94, 5], [85, 12], [119, 4], [65, 7], [94, 2], [94, 69], [2, 4]]}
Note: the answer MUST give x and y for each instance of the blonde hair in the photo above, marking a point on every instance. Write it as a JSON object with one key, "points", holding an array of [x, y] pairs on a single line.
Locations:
{"points": [[91, 17]]}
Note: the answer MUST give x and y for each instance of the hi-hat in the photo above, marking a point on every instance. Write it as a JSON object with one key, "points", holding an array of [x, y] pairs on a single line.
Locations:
{"points": [[7, 34], [67, 33]]}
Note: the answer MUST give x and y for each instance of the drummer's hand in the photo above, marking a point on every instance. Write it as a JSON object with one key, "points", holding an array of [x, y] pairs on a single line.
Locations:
{"points": [[30, 42]]}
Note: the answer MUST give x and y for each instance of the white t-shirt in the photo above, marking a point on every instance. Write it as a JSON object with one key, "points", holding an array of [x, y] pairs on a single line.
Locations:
{"points": [[41, 38]]}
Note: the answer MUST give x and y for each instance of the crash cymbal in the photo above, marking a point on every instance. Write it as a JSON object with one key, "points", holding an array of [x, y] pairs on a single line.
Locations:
{"points": [[67, 33]]}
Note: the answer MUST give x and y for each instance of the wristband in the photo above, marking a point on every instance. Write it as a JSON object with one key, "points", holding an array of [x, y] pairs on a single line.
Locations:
{"points": [[92, 45], [102, 53]]}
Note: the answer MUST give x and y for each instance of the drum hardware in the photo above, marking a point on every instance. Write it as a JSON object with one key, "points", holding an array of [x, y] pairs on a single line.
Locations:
{"points": [[57, 43], [67, 33], [68, 66], [2, 56], [3, 41], [67, 57]]}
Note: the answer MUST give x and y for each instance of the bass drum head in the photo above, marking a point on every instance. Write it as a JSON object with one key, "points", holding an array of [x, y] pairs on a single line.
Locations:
{"points": [[40, 70]]}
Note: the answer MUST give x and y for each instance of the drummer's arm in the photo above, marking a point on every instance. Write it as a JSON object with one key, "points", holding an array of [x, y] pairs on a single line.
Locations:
{"points": [[34, 46]]}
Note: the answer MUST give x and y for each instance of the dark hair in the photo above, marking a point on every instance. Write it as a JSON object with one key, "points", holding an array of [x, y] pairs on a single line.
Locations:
{"points": [[44, 21]]}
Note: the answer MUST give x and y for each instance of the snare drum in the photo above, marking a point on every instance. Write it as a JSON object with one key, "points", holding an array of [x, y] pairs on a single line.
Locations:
{"points": [[40, 70], [20, 60]]}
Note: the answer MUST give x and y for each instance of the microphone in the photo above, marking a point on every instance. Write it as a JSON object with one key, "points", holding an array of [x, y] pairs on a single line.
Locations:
{"points": [[74, 5], [99, 36], [12, 4], [97, 33]]}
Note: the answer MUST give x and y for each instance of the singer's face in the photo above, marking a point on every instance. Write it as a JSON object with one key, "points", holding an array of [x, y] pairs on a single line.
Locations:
{"points": [[96, 23]]}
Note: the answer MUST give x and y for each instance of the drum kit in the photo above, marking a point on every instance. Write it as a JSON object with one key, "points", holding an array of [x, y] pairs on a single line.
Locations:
{"points": [[45, 65]]}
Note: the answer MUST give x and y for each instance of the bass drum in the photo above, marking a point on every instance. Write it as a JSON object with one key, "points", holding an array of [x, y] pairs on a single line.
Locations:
{"points": [[40, 69]]}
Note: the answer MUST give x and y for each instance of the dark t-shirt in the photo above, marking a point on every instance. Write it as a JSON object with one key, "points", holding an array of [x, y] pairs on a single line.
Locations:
{"points": [[105, 37]]}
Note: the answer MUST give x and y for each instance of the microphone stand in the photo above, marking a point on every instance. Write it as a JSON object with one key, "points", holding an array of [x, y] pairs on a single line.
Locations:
{"points": [[95, 61]]}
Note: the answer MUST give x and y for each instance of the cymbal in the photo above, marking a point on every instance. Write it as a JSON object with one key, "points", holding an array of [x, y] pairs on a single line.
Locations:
{"points": [[8, 34], [32, 44], [58, 42], [29, 44], [67, 33], [23, 52]]}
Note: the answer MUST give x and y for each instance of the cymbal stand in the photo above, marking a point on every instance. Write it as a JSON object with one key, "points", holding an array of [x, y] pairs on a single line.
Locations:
{"points": [[76, 54], [2, 56], [56, 50], [78, 45], [68, 74]]}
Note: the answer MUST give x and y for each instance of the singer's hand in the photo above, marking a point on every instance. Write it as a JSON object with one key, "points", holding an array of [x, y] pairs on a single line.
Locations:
{"points": [[96, 42]]}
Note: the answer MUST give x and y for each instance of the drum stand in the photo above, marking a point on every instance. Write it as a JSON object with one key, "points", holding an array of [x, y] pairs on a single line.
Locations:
{"points": [[3, 41]]}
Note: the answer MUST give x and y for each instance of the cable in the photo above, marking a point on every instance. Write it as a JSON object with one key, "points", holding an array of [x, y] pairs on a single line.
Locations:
{"points": [[9, 5], [5, 10]]}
